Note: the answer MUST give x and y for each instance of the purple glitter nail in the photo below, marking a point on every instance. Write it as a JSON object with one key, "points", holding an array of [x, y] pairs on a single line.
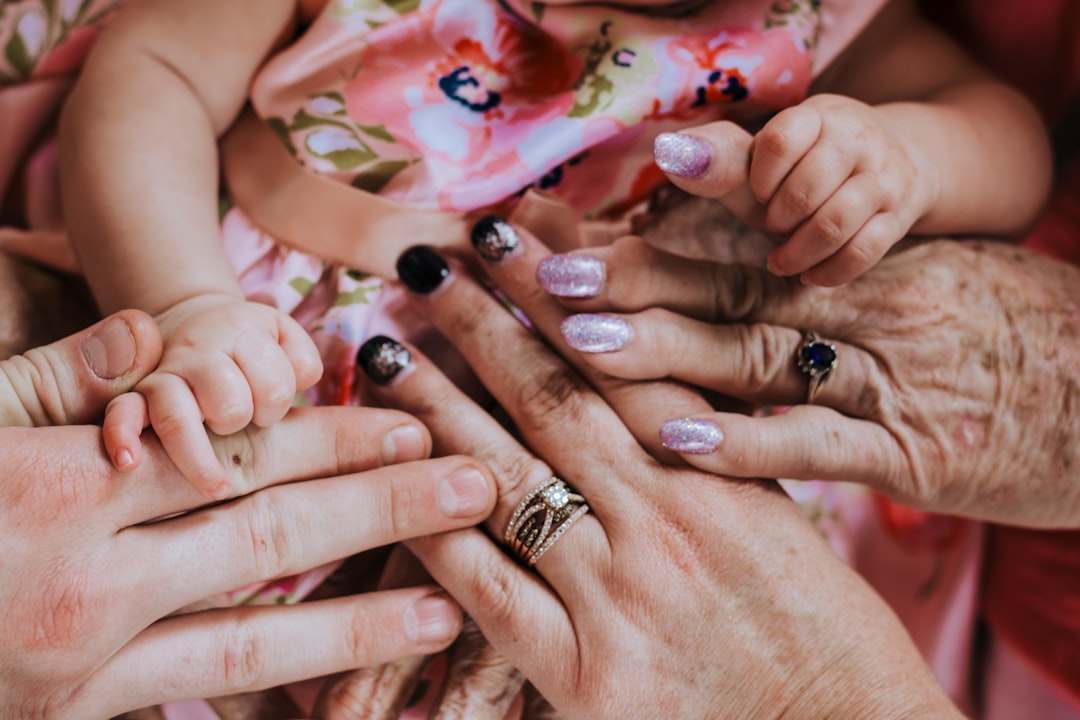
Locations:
{"points": [[596, 333], [571, 276], [682, 155], [692, 436]]}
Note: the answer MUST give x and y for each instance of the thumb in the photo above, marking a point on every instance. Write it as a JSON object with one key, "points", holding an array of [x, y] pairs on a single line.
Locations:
{"points": [[72, 380], [712, 161]]}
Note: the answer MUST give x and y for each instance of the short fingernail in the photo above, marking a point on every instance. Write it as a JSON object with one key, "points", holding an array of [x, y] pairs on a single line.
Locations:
{"points": [[572, 276], [383, 359], [494, 239], [422, 269], [463, 493], [682, 155], [600, 333], [402, 444], [431, 619], [690, 435], [110, 349]]}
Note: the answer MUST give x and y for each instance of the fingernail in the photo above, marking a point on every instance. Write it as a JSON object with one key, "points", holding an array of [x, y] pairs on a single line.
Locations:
{"points": [[599, 333], [431, 619], [110, 349], [572, 276], [494, 239], [383, 359], [682, 155], [124, 459], [421, 269], [692, 436], [463, 493], [402, 444]]}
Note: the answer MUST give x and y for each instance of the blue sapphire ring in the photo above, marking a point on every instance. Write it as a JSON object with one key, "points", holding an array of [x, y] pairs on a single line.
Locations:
{"points": [[816, 358]]}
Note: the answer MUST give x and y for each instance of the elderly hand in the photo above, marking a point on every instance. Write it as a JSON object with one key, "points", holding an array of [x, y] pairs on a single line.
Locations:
{"points": [[679, 594], [94, 561], [955, 384]]}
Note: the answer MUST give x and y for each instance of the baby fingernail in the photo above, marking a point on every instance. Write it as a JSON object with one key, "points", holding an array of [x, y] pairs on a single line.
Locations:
{"points": [[402, 444], [682, 155], [110, 349], [598, 333], [692, 436], [383, 359], [422, 269], [463, 493], [493, 238], [431, 619], [571, 276]]}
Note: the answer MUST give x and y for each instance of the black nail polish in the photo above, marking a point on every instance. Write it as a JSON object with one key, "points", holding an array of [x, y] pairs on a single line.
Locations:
{"points": [[382, 358], [421, 269], [493, 238]]}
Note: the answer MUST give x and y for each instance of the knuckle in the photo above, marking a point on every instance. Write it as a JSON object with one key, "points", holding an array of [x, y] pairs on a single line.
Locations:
{"points": [[774, 139], [828, 230], [269, 535], [799, 201], [241, 455], [549, 392], [518, 473], [768, 356], [737, 293], [358, 636], [495, 588], [241, 655]]}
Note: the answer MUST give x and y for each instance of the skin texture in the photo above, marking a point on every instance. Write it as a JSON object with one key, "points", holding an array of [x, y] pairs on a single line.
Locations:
{"points": [[902, 134], [91, 584], [924, 120], [719, 600], [955, 389]]}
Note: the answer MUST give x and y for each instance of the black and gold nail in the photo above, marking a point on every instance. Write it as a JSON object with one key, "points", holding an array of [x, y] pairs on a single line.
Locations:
{"points": [[494, 238], [382, 359], [422, 269]]}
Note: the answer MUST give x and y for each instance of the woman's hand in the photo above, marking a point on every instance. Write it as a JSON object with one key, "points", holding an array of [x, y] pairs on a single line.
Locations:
{"points": [[679, 594], [955, 388], [94, 560]]}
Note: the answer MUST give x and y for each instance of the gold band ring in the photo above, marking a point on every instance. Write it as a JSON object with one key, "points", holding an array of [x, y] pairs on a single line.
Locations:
{"points": [[541, 518]]}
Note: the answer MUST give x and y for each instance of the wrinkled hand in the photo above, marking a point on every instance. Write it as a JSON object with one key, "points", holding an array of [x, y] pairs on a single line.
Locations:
{"points": [[955, 388], [92, 573], [830, 176], [679, 594], [226, 363]]}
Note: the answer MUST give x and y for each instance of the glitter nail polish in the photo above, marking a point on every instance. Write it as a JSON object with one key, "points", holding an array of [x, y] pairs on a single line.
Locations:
{"points": [[382, 359], [422, 269], [691, 436], [682, 155], [571, 276], [598, 333], [494, 238]]}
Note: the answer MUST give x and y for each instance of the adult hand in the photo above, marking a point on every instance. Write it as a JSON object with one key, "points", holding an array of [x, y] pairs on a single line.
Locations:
{"points": [[94, 559], [679, 594], [955, 387]]}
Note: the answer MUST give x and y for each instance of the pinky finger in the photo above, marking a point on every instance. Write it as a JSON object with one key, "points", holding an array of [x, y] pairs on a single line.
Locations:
{"points": [[804, 443], [224, 652], [125, 419], [860, 253]]}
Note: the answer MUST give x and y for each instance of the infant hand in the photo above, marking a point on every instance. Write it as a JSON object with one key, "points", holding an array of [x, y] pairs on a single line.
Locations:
{"points": [[828, 175], [226, 363]]}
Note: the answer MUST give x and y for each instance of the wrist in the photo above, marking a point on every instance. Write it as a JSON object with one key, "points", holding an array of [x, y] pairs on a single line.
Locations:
{"points": [[176, 313]]}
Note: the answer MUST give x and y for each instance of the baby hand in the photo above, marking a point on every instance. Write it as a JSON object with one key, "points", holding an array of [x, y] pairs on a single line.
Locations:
{"points": [[226, 363], [827, 175]]}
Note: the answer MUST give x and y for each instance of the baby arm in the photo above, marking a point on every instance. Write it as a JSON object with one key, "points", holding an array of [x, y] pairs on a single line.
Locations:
{"points": [[139, 180], [903, 134]]}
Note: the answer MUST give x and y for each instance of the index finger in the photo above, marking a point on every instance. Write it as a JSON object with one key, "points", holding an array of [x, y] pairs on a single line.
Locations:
{"points": [[308, 443]]}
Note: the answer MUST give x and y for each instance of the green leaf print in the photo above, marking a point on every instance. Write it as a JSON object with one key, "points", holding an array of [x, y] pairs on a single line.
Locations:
{"points": [[17, 54], [359, 296], [379, 132], [374, 178], [403, 6], [301, 285]]}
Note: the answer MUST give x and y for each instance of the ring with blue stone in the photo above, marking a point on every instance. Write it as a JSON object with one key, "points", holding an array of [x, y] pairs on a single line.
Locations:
{"points": [[816, 358]]}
